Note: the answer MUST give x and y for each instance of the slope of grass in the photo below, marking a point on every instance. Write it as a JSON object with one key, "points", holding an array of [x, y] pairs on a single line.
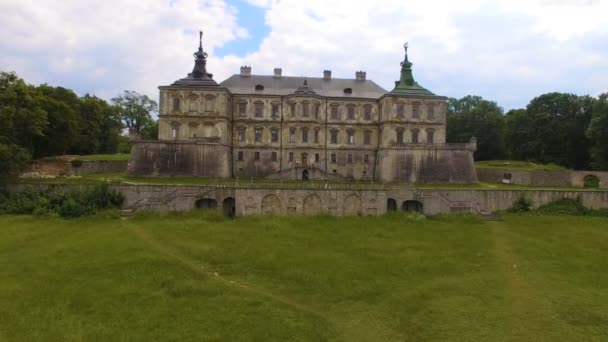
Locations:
{"points": [[202, 277], [518, 165]]}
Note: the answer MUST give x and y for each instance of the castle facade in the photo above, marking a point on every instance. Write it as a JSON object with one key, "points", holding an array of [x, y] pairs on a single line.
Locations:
{"points": [[284, 127]]}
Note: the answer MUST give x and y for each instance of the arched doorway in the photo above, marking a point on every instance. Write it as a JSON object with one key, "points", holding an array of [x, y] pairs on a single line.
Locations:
{"points": [[412, 206], [206, 203], [305, 174], [591, 181], [229, 207], [391, 205]]}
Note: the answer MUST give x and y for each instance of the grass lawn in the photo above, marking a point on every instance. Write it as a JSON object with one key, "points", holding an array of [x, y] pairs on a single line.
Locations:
{"points": [[196, 277], [104, 157], [289, 184], [518, 165]]}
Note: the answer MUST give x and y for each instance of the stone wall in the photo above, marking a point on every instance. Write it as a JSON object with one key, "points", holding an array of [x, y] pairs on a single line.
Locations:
{"points": [[179, 158], [542, 178], [241, 200], [65, 168]]}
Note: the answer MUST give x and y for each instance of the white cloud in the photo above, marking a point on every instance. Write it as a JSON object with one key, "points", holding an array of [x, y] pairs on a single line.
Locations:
{"points": [[506, 50]]}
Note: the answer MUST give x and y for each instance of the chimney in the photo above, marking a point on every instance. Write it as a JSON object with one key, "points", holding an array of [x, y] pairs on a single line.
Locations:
{"points": [[327, 75], [245, 71], [277, 72], [360, 75]]}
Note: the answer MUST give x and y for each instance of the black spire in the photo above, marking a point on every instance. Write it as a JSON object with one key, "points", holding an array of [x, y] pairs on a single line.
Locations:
{"points": [[199, 75]]}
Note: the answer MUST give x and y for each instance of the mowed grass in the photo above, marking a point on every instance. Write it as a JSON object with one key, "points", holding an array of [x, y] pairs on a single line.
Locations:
{"points": [[518, 165], [197, 277]]}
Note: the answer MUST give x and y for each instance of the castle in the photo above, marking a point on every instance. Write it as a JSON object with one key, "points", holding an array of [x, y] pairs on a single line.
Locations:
{"points": [[284, 127]]}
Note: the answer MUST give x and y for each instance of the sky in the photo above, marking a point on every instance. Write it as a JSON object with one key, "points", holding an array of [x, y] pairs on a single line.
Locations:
{"points": [[508, 51]]}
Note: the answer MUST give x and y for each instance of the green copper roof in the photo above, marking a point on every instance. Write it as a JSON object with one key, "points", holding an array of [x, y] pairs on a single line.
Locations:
{"points": [[406, 84]]}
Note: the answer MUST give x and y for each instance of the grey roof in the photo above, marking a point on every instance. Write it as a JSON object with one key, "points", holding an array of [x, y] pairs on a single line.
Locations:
{"points": [[286, 85]]}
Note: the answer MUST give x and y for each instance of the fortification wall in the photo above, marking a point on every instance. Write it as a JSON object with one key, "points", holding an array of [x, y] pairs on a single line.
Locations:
{"points": [[429, 164], [542, 178], [179, 158], [65, 168], [342, 202]]}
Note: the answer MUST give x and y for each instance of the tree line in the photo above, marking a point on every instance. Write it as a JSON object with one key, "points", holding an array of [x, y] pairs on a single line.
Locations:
{"points": [[563, 129], [40, 121]]}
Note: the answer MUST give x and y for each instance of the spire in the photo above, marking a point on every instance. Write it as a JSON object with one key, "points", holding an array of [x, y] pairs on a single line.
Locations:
{"points": [[305, 89], [406, 83], [199, 75]]}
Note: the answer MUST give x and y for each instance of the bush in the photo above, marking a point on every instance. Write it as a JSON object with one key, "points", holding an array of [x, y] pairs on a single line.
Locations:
{"points": [[564, 206], [76, 163], [64, 203], [521, 205]]}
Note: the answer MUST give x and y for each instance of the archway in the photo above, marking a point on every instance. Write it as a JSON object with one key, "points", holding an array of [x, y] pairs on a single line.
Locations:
{"points": [[591, 181], [352, 205], [305, 175], [229, 207], [271, 204], [312, 205], [412, 206], [206, 203], [391, 205]]}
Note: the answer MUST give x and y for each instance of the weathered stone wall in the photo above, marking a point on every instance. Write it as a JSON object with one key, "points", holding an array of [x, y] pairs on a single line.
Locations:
{"points": [[542, 178], [427, 163], [65, 168], [179, 158], [340, 202]]}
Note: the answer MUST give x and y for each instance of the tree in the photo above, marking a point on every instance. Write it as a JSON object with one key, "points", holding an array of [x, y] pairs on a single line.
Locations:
{"points": [[475, 116], [134, 110], [552, 130], [597, 133], [99, 126]]}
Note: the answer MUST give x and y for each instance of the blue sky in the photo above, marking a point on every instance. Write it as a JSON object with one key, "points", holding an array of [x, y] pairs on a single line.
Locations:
{"points": [[508, 51]]}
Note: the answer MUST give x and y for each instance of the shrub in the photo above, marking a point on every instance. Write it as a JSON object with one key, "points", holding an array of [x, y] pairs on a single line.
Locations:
{"points": [[76, 163], [521, 205], [564, 206], [591, 182], [65, 203]]}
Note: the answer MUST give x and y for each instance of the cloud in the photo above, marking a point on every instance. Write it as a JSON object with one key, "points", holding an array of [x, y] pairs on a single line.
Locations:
{"points": [[504, 50]]}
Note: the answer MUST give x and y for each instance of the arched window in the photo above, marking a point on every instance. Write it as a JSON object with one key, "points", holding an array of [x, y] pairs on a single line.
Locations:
{"points": [[305, 109], [430, 136], [416, 110], [350, 137], [400, 110], [415, 133], [258, 109], [367, 112], [399, 136], [209, 103], [259, 87], [350, 112], [348, 90]]}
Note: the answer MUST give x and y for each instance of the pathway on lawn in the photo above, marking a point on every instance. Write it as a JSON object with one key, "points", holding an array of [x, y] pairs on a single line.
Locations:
{"points": [[525, 310], [204, 270]]}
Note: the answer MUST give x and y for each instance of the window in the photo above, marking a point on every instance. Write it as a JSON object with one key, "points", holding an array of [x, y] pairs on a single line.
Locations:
{"points": [[334, 112], [258, 134], [176, 105], [333, 158], [274, 135], [368, 112], [242, 108], [415, 136], [316, 136], [274, 156], [305, 109], [257, 155], [209, 103], [239, 156], [348, 90], [258, 109], [175, 132], [304, 135], [241, 134], [350, 134], [275, 110], [351, 112], [430, 135], [317, 110], [430, 112], [367, 137], [292, 135], [317, 158], [290, 156], [259, 87], [416, 111], [400, 136], [192, 103], [349, 158], [304, 158], [293, 108], [366, 159], [334, 136], [400, 110]]}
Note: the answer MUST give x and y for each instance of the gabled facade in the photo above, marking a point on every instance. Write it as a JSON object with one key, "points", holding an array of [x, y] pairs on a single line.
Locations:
{"points": [[275, 126]]}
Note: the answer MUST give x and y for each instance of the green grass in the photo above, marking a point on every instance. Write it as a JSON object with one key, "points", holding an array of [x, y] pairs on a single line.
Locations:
{"points": [[194, 277], [518, 165], [105, 157], [289, 184]]}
